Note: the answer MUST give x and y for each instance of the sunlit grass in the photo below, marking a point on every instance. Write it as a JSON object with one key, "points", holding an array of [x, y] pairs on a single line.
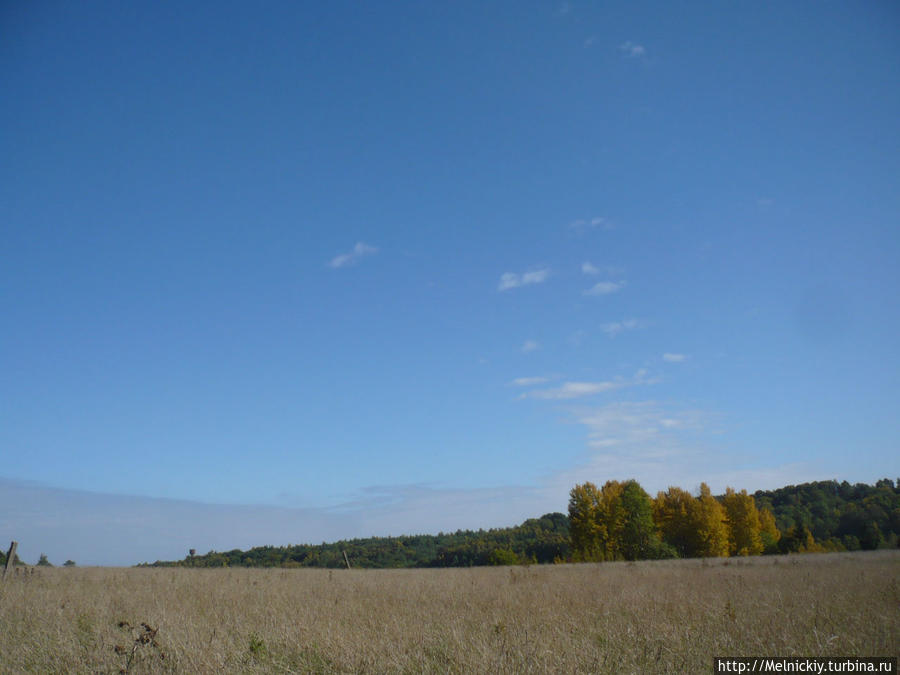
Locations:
{"points": [[669, 616]]}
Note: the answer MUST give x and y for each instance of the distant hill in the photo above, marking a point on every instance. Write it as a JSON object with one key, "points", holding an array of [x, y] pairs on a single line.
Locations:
{"points": [[537, 540], [819, 516], [838, 516]]}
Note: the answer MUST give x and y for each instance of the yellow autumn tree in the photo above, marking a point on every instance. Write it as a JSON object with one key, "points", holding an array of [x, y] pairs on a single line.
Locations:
{"points": [[712, 528], [677, 515], [612, 523], [743, 523], [584, 505], [768, 531], [611, 517], [808, 543]]}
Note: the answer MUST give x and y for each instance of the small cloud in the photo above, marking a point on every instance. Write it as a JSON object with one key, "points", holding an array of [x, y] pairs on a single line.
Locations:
{"points": [[590, 42], [641, 377], [674, 358], [608, 270], [604, 443], [570, 390], [638, 428], [582, 225], [632, 50], [614, 328], [359, 251], [564, 8], [535, 277], [528, 381], [510, 280], [605, 288], [765, 202], [530, 346]]}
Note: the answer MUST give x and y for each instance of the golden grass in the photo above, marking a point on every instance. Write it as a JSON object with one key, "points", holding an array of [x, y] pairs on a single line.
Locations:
{"points": [[670, 616]]}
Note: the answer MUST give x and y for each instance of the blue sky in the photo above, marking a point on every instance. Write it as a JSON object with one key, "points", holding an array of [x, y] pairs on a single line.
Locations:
{"points": [[371, 270]]}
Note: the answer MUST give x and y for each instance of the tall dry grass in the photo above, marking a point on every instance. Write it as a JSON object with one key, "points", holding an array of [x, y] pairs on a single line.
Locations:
{"points": [[671, 616]]}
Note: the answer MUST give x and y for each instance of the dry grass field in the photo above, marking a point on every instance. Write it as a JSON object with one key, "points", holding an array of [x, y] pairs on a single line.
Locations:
{"points": [[670, 616]]}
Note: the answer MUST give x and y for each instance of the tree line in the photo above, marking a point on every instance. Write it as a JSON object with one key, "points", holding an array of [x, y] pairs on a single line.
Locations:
{"points": [[42, 561], [537, 540], [621, 521]]}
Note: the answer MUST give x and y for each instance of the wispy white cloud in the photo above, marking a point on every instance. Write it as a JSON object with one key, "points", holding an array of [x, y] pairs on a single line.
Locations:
{"points": [[590, 42], [536, 277], [661, 446], [591, 269], [530, 346], [641, 377], [632, 50], [359, 251], [674, 358], [605, 288], [510, 280], [615, 327], [528, 381], [582, 225], [570, 390], [630, 423], [657, 445]]}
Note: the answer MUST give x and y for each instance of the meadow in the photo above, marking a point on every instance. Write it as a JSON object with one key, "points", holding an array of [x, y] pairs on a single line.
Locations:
{"points": [[662, 617]]}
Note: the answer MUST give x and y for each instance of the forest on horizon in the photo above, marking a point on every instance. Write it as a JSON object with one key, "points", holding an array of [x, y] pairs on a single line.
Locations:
{"points": [[620, 521]]}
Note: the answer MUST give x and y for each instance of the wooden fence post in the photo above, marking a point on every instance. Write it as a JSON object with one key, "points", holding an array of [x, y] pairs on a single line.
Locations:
{"points": [[10, 557], [345, 559]]}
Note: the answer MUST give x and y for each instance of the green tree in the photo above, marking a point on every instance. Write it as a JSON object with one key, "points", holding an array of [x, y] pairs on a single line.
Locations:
{"points": [[503, 556], [637, 538], [43, 562], [69, 563]]}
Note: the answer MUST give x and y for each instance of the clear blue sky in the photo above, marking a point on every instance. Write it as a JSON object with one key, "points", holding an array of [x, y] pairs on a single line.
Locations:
{"points": [[420, 266]]}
